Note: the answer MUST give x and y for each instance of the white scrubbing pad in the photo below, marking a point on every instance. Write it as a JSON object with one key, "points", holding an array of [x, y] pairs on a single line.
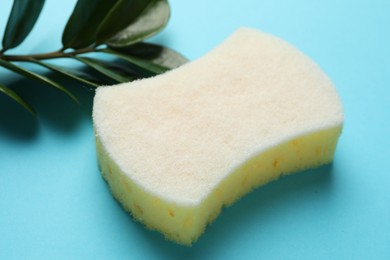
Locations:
{"points": [[177, 147]]}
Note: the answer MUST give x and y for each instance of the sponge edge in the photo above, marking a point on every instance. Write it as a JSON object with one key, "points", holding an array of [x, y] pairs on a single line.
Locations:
{"points": [[184, 224], [175, 148]]}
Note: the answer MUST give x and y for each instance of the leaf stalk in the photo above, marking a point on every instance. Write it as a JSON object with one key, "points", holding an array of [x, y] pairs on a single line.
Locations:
{"points": [[46, 56]]}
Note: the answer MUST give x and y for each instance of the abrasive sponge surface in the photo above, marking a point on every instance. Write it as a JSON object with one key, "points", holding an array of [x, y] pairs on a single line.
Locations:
{"points": [[177, 147]]}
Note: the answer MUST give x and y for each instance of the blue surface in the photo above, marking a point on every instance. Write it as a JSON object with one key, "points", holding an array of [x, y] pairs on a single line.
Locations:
{"points": [[55, 205]]}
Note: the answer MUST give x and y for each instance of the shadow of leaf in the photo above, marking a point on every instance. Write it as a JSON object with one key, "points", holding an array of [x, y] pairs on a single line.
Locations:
{"points": [[54, 109]]}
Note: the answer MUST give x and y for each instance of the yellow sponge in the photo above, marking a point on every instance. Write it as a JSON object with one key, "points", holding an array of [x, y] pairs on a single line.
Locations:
{"points": [[176, 148]]}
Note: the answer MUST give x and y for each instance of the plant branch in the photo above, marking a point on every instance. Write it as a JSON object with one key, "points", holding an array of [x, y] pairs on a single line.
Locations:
{"points": [[46, 56]]}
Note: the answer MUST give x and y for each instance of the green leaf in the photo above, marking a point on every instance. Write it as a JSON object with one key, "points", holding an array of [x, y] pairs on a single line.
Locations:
{"points": [[17, 98], [66, 72], [116, 73], [83, 24], [29, 74], [142, 66], [22, 19], [151, 21], [156, 54], [124, 13]]}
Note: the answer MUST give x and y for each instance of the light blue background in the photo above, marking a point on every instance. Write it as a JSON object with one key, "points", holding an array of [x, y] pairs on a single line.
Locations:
{"points": [[55, 205]]}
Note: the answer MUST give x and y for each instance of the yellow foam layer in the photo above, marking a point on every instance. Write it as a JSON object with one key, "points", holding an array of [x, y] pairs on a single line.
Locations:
{"points": [[184, 224]]}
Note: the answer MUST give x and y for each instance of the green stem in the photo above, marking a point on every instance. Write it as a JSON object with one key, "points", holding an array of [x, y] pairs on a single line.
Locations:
{"points": [[46, 56]]}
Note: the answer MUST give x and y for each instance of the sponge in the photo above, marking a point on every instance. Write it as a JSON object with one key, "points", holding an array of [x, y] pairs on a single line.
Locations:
{"points": [[176, 148]]}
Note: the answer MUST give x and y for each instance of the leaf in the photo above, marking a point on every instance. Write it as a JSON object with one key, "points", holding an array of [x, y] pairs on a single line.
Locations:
{"points": [[66, 72], [142, 66], [83, 24], [114, 72], [22, 19], [124, 13], [29, 74], [17, 98], [156, 54], [151, 21]]}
